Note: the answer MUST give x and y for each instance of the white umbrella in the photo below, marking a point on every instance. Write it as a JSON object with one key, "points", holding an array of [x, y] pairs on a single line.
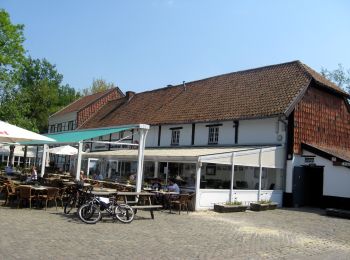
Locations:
{"points": [[12, 134], [64, 150]]}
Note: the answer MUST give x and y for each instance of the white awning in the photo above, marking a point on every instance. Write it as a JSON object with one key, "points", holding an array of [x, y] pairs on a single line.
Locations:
{"points": [[272, 157]]}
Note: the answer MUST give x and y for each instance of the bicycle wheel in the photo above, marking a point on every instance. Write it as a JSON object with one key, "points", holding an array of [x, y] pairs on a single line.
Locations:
{"points": [[124, 213], [89, 213], [70, 204]]}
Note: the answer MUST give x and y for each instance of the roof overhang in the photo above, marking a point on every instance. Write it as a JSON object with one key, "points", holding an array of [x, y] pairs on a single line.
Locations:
{"points": [[81, 135], [272, 157], [339, 158]]}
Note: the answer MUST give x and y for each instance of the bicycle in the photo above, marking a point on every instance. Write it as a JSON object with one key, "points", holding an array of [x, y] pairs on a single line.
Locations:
{"points": [[90, 212], [77, 197]]}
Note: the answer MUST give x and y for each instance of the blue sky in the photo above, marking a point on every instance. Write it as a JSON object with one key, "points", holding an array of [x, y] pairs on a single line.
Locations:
{"points": [[148, 44]]}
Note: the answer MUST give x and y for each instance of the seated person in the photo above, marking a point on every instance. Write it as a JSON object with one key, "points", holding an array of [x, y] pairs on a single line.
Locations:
{"points": [[156, 185], [34, 174], [82, 176], [9, 170], [100, 177], [173, 187], [132, 177]]}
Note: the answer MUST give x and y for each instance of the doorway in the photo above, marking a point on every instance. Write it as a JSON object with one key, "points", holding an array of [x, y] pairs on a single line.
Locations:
{"points": [[308, 186]]}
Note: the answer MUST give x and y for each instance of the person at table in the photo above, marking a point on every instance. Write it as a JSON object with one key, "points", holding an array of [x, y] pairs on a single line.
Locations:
{"points": [[156, 185], [173, 187], [34, 174], [82, 176], [100, 177]]}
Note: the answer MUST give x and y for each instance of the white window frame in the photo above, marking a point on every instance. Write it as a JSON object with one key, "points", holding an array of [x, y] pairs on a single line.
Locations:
{"points": [[213, 135], [175, 137]]}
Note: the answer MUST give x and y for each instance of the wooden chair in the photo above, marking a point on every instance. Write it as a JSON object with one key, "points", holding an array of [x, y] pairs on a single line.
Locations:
{"points": [[9, 191], [25, 193], [61, 195], [182, 202], [52, 194]]}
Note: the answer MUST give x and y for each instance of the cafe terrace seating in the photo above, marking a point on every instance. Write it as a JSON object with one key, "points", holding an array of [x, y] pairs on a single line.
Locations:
{"points": [[51, 195], [182, 202], [25, 194]]}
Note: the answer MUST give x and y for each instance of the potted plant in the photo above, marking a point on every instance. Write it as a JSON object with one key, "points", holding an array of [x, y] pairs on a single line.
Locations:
{"points": [[235, 206], [263, 205]]}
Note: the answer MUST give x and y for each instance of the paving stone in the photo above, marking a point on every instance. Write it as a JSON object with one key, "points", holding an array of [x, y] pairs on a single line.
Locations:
{"points": [[277, 234]]}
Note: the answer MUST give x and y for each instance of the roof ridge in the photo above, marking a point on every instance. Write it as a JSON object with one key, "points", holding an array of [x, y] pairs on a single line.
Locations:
{"points": [[330, 84], [217, 76], [103, 95]]}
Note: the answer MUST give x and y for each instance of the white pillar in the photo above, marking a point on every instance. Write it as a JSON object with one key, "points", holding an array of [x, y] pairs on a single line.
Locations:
{"points": [[156, 166], [43, 160], [142, 142], [260, 174], [198, 182], [232, 176], [78, 166], [166, 173]]}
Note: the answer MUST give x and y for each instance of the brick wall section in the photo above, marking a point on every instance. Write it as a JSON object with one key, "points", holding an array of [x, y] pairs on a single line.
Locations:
{"points": [[321, 118], [91, 109]]}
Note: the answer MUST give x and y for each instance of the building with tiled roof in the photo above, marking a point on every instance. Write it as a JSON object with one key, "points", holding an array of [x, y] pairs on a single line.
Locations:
{"points": [[292, 122], [78, 112]]}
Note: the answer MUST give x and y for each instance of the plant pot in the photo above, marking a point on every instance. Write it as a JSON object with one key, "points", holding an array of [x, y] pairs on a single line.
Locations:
{"points": [[272, 205], [222, 208], [263, 206], [259, 206]]}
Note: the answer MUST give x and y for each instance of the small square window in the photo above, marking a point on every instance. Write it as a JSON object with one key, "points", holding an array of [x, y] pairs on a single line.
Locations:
{"points": [[175, 137]]}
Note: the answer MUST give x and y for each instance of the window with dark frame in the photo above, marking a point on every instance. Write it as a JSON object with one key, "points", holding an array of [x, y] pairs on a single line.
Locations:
{"points": [[175, 137], [70, 125], [59, 127], [52, 128], [213, 136]]}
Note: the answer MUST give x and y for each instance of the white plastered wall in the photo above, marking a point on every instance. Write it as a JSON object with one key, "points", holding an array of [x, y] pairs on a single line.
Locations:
{"points": [[336, 179]]}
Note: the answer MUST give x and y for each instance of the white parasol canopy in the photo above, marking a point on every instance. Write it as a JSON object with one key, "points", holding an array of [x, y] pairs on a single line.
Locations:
{"points": [[12, 134], [64, 150]]}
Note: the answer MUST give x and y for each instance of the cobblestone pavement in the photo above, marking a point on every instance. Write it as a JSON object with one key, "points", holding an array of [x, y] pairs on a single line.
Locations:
{"points": [[277, 234]]}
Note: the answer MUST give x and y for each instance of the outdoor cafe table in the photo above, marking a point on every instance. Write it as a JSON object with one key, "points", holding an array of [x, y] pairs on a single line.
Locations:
{"points": [[73, 183]]}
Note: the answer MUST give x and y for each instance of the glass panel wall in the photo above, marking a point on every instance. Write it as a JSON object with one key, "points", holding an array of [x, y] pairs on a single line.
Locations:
{"points": [[216, 176]]}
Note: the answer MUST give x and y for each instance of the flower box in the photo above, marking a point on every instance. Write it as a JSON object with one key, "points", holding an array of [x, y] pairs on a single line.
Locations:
{"points": [[258, 206], [223, 208]]}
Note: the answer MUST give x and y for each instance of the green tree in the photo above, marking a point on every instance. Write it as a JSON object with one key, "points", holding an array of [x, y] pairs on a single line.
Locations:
{"points": [[98, 85], [41, 92], [12, 54], [339, 76]]}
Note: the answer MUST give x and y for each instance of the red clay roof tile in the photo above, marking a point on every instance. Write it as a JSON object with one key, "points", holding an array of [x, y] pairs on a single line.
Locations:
{"points": [[256, 93]]}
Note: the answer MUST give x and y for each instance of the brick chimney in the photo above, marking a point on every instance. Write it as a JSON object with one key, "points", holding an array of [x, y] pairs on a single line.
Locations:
{"points": [[129, 95]]}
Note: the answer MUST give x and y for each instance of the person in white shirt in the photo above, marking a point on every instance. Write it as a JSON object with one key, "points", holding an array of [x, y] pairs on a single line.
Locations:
{"points": [[34, 175]]}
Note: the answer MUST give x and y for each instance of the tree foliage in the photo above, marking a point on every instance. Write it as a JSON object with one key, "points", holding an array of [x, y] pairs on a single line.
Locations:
{"points": [[339, 76], [11, 54], [98, 85], [30, 89]]}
